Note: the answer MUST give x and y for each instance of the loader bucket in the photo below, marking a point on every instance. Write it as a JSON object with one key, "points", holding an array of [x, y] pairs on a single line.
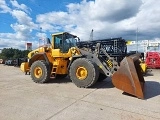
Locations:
{"points": [[129, 78]]}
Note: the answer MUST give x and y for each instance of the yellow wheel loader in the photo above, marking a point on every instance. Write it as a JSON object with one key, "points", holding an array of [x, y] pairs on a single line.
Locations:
{"points": [[61, 57]]}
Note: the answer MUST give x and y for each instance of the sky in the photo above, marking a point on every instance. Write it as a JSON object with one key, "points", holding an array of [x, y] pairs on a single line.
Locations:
{"points": [[24, 21]]}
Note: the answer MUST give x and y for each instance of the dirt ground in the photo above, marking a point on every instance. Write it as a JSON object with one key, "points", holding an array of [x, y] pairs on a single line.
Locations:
{"points": [[22, 99]]}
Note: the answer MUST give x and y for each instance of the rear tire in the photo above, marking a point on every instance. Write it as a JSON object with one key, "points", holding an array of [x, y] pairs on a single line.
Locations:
{"points": [[83, 72], [40, 72]]}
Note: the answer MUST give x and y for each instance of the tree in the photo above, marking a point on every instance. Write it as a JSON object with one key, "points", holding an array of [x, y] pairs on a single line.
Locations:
{"points": [[10, 53]]}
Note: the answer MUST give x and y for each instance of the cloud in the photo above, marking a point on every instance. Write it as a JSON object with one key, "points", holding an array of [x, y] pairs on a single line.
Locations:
{"points": [[107, 18], [23, 18], [22, 31], [4, 7], [16, 40], [20, 6], [146, 20], [23, 26], [53, 18], [106, 10], [104, 16], [8, 40]]}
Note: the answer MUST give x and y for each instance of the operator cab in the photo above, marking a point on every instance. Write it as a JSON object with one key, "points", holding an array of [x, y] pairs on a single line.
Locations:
{"points": [[63, 41]]}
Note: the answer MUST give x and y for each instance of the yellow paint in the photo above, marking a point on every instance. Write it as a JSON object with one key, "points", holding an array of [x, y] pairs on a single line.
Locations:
{"points": [[81, 73], [61, 65], [100, 66], [55, 57], [24, 67], [110, 64], [38, 72], [143, 67]]}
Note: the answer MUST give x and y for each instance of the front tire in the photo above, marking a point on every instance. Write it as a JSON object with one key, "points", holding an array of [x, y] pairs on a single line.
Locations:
{"points": [[40, 71], [83, 72]]}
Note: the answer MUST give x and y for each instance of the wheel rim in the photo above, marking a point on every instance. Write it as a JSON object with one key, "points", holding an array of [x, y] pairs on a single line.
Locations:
{"points": [[38, 72], [81, 73]]}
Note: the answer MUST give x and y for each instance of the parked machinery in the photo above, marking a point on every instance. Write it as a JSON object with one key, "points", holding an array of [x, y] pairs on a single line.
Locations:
{"points": [[84, 66], [18, 61], [1, 61], [153, 59], [115, 47]]}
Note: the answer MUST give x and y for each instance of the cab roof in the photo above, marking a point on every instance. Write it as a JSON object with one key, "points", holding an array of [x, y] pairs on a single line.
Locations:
{"points": [[62, 33]]}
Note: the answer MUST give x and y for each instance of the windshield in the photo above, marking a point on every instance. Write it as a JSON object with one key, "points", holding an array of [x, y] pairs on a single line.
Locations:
{"points": [[69, 42], [70, 39], [64, 42]]}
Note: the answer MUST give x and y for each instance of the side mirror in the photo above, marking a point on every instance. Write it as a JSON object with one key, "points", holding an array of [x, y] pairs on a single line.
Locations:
{"points": [[48, 41]]}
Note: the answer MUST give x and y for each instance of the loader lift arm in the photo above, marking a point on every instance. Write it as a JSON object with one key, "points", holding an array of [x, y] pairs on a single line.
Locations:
{"points": [[127, 76], [107, 66]]}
